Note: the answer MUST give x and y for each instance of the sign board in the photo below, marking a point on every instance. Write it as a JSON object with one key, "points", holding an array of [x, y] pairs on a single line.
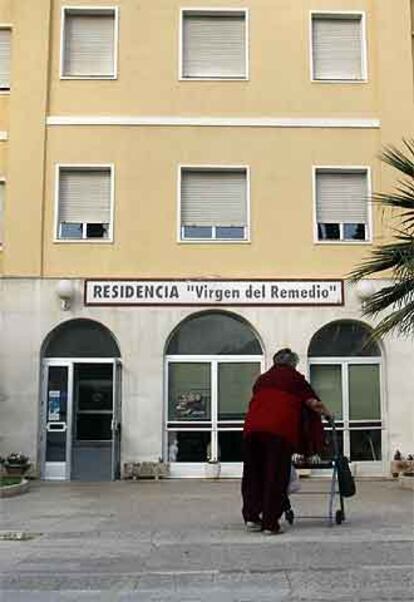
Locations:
{"points": [[213, 292]]}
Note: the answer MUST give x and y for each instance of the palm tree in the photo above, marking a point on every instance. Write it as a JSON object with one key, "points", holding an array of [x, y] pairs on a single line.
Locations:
{"points": [[397, 257]]}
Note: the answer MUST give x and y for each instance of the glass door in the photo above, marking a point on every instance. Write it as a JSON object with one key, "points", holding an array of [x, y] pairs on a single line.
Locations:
{"points": [[207, 399], [116, 421], [189, 411], [351, 388], [235, 381], [93, 401], [56, 420]]}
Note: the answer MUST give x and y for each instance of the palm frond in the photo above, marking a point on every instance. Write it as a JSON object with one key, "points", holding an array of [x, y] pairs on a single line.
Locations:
{"points": [[394, 296], [401, 320], [396, 257], [400, 160]]}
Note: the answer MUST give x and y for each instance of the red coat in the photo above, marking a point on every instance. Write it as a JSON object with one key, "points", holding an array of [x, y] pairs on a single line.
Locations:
{"points": [[278, 407]]}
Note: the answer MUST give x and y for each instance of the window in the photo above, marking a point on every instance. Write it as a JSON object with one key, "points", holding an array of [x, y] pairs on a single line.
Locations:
{"points": [[337, 47], [84, 203], [5, 56], [1, 210], [345, 371], [214, 44], [213, 204], [341, 204], [88, 47], [212, 361]]}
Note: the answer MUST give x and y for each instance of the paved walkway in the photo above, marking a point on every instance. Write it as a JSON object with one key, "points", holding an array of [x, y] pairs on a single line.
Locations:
{"points": [[184, 541]]}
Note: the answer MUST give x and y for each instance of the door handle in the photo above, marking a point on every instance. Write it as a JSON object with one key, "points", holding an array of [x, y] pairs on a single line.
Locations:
{"points": [[56, 427]]}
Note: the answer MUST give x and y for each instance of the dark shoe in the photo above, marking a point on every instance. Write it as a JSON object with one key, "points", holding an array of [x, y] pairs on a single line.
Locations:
{"points": [[276, 531]]}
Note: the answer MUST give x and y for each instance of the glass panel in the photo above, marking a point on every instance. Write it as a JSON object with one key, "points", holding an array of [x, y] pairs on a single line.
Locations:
{"points": [[198, 231], [354, 231], [328, 232], [93, 427], [327, 383], [93, 388], [214, 333], [97, 230], [189, 391], [230, 446], [57, 399], [235, 381], [366, 445], [70, 230], [328, 452], [230, 232], [364, 392], [81, 338], [189, 446], [343, 338]]}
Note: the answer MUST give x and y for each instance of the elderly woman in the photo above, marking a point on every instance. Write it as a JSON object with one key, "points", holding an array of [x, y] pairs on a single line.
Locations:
{"points": [[284, 417]]}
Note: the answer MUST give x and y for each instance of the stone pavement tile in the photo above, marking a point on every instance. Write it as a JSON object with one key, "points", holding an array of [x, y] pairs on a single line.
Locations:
{"points": [[259, 554], [364, 583], [212, 596], [254, 584], [60, 582], [153, 582], [68, 596]]}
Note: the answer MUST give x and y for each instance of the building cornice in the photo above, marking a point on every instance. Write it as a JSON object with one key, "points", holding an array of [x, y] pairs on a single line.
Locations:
{"points": [[255, 122]]}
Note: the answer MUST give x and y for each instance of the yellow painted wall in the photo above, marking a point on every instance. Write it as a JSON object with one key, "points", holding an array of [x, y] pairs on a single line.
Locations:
{"points": [[146, 162], [146, 159], [279, 66], [24, 206]]}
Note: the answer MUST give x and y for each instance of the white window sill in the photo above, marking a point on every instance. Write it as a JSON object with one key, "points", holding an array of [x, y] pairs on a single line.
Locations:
{"points": [[217, 78], [89, 77], [83, 241], [342, 242], [340, 81], [214, 241]]}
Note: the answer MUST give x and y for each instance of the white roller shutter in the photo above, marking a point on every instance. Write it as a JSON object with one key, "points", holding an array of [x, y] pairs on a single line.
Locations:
{"points": [[89, 43], [337, 47], [213, 198], [5, 52], [84, 196], [214, 45], [341, 197]]}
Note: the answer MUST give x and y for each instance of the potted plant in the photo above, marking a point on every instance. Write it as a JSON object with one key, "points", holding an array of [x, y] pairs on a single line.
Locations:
{"points": [[17, 464]]}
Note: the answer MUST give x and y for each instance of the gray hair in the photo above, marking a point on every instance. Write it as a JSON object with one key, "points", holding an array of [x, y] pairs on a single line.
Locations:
{"points": [[286, 357]]}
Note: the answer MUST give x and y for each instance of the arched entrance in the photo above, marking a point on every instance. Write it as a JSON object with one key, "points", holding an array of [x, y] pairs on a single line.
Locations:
{"points": [[80, 403], [345, 370], [212, 360]]}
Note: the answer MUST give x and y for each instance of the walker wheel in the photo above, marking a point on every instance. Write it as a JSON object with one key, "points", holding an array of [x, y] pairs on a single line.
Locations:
{"points": [[290, 516], [339, 517]]}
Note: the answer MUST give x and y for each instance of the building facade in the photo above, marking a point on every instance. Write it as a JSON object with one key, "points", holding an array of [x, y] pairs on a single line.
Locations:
{"points": [[185, 187]]}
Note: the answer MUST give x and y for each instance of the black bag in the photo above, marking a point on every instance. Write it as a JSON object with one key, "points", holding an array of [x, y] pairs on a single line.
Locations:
{"points": [[346, 481]]}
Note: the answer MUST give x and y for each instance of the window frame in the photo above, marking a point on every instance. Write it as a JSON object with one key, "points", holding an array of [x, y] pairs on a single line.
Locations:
{"points": [[213, 167], [368, 224], [364, 45], [213, 426], [84, 167], [88, 9], [349, 425], [213, 11], [9, 27]]}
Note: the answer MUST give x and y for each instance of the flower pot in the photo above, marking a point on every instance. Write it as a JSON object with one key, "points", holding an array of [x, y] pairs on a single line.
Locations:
{"points": [[16, 470], [212, 470]]}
